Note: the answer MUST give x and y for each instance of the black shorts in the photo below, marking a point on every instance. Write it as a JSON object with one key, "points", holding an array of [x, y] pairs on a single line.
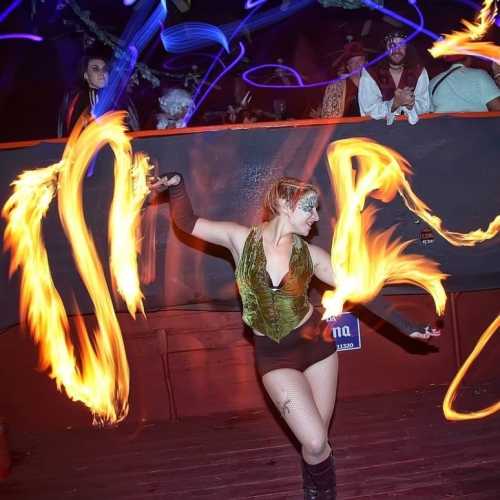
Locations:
{"points": [[301, 348]]}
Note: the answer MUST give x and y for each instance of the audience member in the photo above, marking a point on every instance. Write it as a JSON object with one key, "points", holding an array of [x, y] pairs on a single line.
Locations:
{"points": [[463, 89], [175, 104], [397, 85], [341, 97], [495, 68], [95, 75]]}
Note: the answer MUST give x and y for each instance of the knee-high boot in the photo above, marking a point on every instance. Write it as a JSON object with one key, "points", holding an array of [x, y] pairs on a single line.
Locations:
{"points": [[311, 491], [322, 476]]}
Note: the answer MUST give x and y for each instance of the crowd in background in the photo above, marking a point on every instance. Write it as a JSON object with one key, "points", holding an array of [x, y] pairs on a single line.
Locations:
{"points": [[44, 87], [398, 85]]}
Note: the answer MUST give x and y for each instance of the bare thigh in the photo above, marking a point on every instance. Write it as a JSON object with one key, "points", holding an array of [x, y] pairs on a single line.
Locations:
{"points": [[322, 378], [291, 393]]}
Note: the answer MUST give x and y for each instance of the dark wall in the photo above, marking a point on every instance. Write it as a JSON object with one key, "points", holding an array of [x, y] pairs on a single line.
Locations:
{"points": [[199, 362], [455, 163], [185, 363]]}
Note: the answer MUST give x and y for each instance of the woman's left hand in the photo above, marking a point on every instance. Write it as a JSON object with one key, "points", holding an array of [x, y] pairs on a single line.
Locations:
{"points": [[426, 334]]}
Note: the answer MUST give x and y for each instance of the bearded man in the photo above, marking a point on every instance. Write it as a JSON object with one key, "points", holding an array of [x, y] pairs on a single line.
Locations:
{"points": [[398, 85]]}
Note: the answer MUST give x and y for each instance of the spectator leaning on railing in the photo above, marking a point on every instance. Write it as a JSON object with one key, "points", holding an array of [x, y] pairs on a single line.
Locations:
{"points": [[341, 97], [463, 89], [397, 85]]}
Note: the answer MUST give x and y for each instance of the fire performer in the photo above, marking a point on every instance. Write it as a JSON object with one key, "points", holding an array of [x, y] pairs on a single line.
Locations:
{"points": [[295, 351]]}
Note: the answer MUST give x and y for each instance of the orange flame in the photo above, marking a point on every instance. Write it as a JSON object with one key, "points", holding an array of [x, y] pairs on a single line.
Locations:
{"points": [[364, 261], [130, 192], [448, 411], [464, 42], [469, 239], [102, 380]]}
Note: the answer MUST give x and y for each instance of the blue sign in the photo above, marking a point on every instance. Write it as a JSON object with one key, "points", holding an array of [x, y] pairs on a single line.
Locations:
{"points": [[346, 332]]}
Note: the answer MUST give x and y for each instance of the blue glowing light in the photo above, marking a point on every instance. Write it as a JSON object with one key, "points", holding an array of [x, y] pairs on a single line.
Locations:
{"points": [[21, 36], [128, 3], [258, 21], [196, 104], [16, 36], [189, 36], [14, 5], [270, 16], [284, 67], [229, 67], [169, 63], [231, 30], [419, 28], [250, 4], [138, 33], [406, 21]]}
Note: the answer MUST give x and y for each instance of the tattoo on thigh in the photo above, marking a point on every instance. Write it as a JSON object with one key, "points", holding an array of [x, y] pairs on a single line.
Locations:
{"points": [[285, 408]]}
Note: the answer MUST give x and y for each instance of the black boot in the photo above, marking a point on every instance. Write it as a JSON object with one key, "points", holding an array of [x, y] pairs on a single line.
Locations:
{"points": [[322, 476], [311, 492]]}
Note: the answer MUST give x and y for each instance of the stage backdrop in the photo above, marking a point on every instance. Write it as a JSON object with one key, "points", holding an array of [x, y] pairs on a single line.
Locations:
{"points": [[456, 172]]}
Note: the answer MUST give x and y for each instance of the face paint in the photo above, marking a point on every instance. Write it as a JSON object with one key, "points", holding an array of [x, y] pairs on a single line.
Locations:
{"points": [[308, 202]]}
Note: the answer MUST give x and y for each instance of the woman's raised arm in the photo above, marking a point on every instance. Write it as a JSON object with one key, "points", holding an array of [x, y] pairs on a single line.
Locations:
{"points": [[227, 234]]}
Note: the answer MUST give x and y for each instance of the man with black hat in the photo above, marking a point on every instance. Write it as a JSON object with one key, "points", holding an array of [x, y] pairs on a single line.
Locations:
{"points": [[398, 85]]}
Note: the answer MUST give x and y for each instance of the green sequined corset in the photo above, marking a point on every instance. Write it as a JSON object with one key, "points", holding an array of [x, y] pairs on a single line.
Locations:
{"points": [[273, 311]]}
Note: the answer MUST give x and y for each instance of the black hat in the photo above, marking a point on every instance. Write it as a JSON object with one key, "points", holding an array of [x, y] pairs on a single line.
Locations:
{"points": [[395, 34]]}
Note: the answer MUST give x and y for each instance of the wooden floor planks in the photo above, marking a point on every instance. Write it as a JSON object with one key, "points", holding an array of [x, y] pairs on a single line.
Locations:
{"points": [[387, 447]]}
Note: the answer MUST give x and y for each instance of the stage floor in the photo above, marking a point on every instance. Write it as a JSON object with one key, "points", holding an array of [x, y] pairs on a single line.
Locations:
{"points": [[389, 446]]}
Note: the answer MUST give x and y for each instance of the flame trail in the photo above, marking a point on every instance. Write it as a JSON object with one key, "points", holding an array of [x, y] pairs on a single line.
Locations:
{"points": [[469, 239], [464, 42], [102, 380], [364, 262], [448, 411], [130, 192]]}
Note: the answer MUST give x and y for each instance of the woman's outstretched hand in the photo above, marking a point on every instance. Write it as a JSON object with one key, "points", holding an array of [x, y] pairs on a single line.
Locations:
{"points": [[163, 182], [426, 334]]}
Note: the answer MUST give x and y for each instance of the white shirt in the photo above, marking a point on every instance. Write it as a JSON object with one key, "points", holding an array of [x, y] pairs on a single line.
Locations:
{"points": [[372, 104], [464, 90]]}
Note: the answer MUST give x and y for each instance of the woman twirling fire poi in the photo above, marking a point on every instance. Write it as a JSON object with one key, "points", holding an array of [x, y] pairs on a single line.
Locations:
{"points": [[295, 351]]}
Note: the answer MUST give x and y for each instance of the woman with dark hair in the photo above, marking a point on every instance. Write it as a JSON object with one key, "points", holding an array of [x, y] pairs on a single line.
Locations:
{"points": [[295, 353], [94, 73]]}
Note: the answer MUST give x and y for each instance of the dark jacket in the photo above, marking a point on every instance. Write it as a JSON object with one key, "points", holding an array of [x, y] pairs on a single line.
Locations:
{"points": [[78, 101]]}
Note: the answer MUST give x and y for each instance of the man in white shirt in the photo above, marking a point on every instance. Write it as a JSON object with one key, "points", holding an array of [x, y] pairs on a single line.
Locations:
{"points": [[463, 89], [395, 86]]}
